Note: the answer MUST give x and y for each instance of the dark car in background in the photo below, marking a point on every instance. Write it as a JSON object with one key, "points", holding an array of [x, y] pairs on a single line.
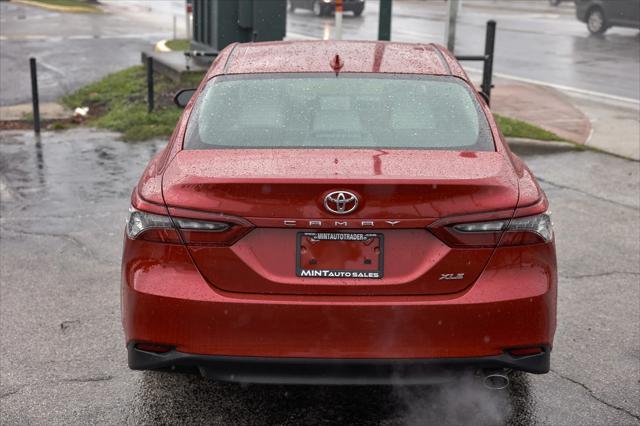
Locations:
{"points": [[326, 7], [600, 15]]}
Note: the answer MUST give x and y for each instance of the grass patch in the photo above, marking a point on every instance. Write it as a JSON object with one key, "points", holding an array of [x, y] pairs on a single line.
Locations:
{"points": [[514, 128], [80, 5], [179, 44], [119, 102]]}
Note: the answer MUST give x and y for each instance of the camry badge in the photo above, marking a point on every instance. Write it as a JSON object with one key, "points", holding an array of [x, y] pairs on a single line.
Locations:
{"points": [[341, 202]]}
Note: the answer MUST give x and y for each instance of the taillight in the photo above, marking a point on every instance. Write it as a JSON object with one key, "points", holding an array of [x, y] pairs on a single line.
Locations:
{"points": [[507, 232], [151, 227], [160, 228], [528, 230]]}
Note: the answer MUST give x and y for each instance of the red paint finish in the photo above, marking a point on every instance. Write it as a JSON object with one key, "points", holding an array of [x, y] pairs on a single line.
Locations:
{"points": [[236, 292], [512, 304]]}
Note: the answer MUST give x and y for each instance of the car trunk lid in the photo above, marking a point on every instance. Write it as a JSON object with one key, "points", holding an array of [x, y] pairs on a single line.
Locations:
{"points": [[282, 191]]}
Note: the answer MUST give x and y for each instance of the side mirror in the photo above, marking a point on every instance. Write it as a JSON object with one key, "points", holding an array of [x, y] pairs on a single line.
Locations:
{"points": [[183, 97], [484, 96]]}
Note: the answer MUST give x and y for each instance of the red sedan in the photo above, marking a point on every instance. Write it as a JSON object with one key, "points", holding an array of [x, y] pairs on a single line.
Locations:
{"points": [[338, 212]]}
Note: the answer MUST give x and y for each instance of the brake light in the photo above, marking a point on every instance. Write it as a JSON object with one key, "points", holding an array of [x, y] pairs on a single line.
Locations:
{"points": [[507, 232], [160, 228]]}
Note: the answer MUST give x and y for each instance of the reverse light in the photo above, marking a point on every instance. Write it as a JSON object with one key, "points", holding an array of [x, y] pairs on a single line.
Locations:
{"points": [[507, 232], [201, 225], [494, 226]]}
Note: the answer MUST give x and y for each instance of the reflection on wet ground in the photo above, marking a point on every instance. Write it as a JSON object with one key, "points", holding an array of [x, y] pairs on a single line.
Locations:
{"points": [[45, 164]]}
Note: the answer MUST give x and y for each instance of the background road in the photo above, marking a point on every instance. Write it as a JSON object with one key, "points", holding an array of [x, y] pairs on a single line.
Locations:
{"points": [[63, 360], [534, 41]]}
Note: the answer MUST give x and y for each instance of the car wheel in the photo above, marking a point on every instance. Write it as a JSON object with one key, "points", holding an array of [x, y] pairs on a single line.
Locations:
{"points": [[318, 8], [358, 11], [596, 22], [554, 2], [292, 8]]}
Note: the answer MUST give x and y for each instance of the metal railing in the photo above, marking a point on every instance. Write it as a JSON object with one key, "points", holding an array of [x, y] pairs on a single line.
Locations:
{"points": [[487, 59]]}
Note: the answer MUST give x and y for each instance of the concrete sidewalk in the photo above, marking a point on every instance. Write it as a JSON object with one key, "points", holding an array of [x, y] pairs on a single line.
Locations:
{"points": [[543, 106], [604, 124]]}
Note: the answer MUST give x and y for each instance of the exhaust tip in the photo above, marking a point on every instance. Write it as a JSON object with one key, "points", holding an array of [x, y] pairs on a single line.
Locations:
{"points": [[496, 381]]}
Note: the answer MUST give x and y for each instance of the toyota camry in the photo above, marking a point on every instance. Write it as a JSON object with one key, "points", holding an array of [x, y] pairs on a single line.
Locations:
{"points": [[340, 213]]}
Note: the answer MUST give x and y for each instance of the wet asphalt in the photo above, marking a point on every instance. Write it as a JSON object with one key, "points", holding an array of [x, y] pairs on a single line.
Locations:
{"points": [[62, 356]]}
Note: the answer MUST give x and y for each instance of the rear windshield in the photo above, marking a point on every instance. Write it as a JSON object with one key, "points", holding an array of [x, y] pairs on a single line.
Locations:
{"points": [[345, 111]]}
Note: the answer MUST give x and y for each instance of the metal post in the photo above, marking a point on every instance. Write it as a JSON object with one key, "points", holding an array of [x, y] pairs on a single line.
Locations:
{"points": [[338, 20], [489, 48], [450, 25], [34, 95], [149, 84], [175, 35], [188, 9], [384, 20]]}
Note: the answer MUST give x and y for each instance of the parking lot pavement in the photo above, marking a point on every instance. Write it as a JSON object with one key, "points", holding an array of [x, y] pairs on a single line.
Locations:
{"points": [[62, 355], [72, 50]]}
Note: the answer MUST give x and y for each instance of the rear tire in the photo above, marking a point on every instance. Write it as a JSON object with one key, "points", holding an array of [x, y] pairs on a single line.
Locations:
{"points": [[358, 11], [292, 8], [596, 21]]}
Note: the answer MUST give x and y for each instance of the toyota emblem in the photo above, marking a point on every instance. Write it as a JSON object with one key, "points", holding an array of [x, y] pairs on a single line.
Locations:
{"points": [[341, 202]]}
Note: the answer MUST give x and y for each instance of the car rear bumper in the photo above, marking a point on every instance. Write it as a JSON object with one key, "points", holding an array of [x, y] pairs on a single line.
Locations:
{"points": [[348, 6], [166, 301], [333, 371]]}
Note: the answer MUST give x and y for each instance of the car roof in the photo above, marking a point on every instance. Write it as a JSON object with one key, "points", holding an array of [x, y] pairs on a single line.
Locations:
{"points": [[356, 57]]}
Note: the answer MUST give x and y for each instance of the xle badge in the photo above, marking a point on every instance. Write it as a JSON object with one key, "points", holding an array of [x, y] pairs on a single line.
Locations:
{"points": [[451, 277]]}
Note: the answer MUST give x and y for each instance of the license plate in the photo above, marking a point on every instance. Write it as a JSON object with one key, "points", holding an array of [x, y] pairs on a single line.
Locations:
{"points": [[339, 255]]}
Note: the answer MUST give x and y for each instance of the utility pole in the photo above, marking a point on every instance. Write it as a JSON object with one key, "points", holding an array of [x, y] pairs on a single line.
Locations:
{"points": [[188, 11], [338, 23], [384, 20], [450, 24]]}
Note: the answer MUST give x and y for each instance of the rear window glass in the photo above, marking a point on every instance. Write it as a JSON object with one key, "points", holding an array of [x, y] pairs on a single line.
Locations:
{"points": [[347, 111]]}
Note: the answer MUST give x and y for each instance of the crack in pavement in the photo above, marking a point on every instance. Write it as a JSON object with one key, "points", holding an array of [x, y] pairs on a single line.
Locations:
{"points": [[9, 393], [594, 396], [600, 274], [580, 191], [89, 379]]}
